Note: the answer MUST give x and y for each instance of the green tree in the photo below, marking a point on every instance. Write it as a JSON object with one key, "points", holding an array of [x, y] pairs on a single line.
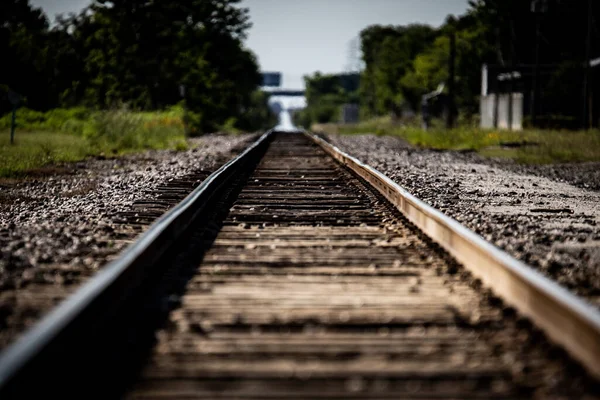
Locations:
{"points": [[134, 52], [23, 49], [325, 93], [500, 33], [141, 52], [388, 53]]}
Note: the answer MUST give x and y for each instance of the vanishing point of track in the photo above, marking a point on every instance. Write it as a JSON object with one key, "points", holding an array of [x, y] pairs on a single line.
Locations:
{"points": [[295, 279]]}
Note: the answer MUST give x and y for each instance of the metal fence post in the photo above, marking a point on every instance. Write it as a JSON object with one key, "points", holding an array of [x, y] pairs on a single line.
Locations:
{"points": [[14, 99], [185, 111], [13, 124]]}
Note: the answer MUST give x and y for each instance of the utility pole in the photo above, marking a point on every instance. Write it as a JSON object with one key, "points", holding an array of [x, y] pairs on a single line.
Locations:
{"points": [[510, 100], [13, 124], [536, 72], [496, 99], [586, 70], [511, 77], [538, 7], [14, 99], [451, 73]]}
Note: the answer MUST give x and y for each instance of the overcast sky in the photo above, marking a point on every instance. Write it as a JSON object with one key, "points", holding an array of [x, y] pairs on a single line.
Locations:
{"points": [[299, 37]]}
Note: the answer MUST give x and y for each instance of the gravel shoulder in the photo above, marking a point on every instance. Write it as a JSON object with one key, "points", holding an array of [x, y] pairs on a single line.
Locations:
{"points": [[546, 216], [58, 227]]}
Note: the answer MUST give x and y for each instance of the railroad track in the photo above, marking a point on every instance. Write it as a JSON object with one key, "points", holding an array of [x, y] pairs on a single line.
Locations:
{"points": [[285, 274]]}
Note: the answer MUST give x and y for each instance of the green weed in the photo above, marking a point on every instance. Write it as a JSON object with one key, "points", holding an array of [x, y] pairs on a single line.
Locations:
{"points": [[528, 146], [36, 149], [72, 134]]}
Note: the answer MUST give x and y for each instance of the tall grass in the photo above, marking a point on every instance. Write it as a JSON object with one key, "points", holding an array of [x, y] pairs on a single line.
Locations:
{"points": [[53, 120], [123, 131], [552, 146], [527, 146], [36, 149], [72, 134]]}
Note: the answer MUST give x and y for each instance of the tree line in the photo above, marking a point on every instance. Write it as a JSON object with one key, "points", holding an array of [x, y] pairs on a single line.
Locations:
{"points": [[325, 94], [545, 41], [144, 54]]}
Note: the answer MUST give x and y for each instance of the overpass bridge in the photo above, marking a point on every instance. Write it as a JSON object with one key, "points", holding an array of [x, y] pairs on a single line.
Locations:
{"points": [[283, 92]]}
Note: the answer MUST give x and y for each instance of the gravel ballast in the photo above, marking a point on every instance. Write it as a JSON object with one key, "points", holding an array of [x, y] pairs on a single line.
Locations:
{"points": [[542, 215], [57, 227]]}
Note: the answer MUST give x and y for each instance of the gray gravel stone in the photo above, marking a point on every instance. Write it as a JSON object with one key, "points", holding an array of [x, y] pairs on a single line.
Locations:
{"points": [[57, 227], [547, 216]]}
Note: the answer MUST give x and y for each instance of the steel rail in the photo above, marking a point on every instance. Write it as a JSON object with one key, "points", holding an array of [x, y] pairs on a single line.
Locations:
{"points": [[565, 318], [102, 293]]}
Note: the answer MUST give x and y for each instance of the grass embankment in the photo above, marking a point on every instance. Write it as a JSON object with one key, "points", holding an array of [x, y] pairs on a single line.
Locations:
{"points": [[70, 135], [528, 146]]}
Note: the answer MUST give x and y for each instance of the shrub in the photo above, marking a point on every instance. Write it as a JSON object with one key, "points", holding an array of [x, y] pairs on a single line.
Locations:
{"points": [[122, 130], [72, 134], [54, 120]]}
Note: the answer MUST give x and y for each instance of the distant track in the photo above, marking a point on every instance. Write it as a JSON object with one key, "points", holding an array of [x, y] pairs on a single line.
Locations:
{"points": [[286, 275]]}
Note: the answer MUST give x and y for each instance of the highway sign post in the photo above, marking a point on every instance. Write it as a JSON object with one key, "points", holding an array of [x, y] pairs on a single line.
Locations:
{"points": [[14, 100]]}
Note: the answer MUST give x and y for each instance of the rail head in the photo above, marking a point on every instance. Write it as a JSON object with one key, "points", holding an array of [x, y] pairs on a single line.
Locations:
{"points": [[566, 319], [22, 353]]}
